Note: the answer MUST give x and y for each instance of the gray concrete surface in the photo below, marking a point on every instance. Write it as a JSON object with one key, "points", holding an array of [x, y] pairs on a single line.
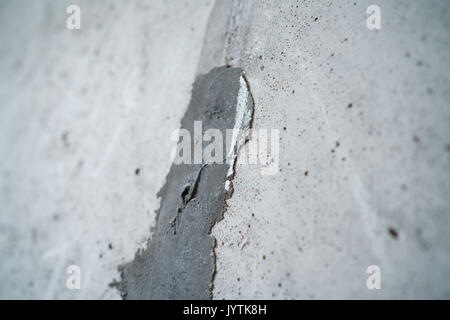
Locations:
{"points": [[364, 143], [80, 111], [180, 261], [364, 152]]}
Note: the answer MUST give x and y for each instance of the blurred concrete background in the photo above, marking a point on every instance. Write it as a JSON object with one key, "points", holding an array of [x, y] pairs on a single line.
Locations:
{"points": [[86, 117]]}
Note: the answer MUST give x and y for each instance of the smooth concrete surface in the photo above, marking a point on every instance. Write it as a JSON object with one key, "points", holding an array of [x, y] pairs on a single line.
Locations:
{"points": [[80, 111], [364, 124]]}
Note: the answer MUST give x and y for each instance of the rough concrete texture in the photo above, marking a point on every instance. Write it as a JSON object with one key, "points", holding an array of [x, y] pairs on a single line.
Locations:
{"points": [[180, 262], [364, 152], [364, 143]]}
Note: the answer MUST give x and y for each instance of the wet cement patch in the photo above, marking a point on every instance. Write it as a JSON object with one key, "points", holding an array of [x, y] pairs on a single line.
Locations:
{"points": [[179, 263]]}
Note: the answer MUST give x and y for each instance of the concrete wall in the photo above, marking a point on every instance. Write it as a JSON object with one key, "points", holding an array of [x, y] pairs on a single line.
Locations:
{"points": [[81, 110], [358, 186], [364, 143]]}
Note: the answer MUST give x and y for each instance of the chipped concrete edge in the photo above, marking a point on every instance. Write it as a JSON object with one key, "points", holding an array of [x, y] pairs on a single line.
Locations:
{"points": [[230, 178]]}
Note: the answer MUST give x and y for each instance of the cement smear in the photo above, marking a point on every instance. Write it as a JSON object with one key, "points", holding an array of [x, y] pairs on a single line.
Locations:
{"points": [[179, 263]]}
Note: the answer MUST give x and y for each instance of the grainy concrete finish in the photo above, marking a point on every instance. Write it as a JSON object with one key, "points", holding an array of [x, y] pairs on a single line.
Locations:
{"points": [[364, 177]]}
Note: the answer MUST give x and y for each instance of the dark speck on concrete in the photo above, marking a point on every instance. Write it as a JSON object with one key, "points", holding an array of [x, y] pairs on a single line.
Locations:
{"points": [[393, 233], [65, 139]]}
